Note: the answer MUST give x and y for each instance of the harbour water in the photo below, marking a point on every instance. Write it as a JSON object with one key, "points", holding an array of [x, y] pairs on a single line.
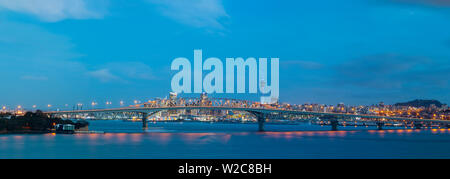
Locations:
{"points": [[224, 140]]}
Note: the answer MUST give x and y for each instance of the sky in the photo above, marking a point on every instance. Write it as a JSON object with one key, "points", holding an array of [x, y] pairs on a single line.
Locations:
{"points": [[358, 52]]}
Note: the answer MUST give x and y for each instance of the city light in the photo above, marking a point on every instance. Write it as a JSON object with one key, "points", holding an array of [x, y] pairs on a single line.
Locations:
{"points": [[360, 111]]}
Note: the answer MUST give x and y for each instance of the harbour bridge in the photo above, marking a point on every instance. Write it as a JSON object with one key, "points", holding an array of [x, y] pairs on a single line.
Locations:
{"points": [[262, 112]]}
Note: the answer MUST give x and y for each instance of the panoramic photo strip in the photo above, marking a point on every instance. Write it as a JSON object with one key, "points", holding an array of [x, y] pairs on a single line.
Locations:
{"points": [[224, 87]]}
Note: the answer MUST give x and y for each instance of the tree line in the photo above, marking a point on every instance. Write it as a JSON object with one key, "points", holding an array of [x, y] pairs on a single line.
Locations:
{"points": [[34, 122]]}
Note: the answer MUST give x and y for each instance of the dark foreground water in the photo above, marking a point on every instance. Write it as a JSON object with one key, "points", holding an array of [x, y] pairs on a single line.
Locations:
{"points": [[219, 140]]}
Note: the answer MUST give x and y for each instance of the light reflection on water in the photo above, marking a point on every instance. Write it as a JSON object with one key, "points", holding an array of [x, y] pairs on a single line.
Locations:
{"points": [[240, 142]]}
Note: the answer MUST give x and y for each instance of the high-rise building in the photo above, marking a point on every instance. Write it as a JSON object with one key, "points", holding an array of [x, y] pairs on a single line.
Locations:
{"points": [[173, 96], [173, 102], [204, 96]]}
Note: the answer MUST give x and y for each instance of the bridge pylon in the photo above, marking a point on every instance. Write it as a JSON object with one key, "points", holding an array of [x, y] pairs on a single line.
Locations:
{"points": [[144, 120], [261, 118], [334, 125], [261, 122], [145, 116], [380, 125], [418, 125]]}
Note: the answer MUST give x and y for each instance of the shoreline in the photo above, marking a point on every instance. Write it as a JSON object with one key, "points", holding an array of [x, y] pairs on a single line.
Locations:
{"points": [[102, 132], [25, 132]]}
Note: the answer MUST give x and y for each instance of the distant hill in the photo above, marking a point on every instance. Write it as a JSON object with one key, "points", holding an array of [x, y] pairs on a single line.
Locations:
{"points": [[420, 103]]}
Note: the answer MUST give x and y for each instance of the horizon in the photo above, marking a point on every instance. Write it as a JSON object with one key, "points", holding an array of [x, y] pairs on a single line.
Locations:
{"points": [[356, 52], [119, 105]]}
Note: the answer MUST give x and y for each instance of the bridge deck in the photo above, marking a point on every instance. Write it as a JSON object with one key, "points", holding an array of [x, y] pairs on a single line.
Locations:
{"points": [[260, 110]]}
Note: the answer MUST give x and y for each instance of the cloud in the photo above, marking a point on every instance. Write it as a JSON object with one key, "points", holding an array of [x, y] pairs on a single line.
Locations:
{"points": [[196, 13], [34, 50], [104, 75], [133, 70], [393, 71], [124, 72], [55, 10], [26, 43], [29, 52]]}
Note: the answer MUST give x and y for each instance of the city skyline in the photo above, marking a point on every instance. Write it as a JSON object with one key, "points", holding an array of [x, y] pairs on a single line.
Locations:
{"points": [[356, 52]]}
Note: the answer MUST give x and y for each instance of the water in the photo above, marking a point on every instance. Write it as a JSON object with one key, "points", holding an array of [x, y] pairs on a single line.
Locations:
{"points": [[220, 140]]}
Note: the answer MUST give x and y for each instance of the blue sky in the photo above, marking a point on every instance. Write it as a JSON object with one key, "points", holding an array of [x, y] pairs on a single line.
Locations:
{"points": [[352, 51]]}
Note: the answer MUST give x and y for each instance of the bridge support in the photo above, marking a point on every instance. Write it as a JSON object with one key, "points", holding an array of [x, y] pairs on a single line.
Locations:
{"points": [[144, 120], [418, 125], [334, 125], [261, 122], [380, 125], [261, 118]]}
